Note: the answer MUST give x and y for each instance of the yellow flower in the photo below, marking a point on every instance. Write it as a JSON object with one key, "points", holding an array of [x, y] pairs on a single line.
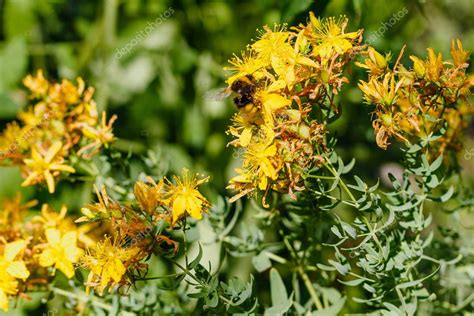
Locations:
{"points": [[105, 209], [382, 93], [258, 161], [243, 128], [249, 64], [434, 65], [183, 196], [13, 210], [272, 100], [45, 167], [272, 47], [149, 194], [376, 63], [260, 164], [8, 286], [16, 268], [460, 56], [51, 219], [13, 141], [10, 270], [38, 85], [101, 135], [332, 39], [107, 263], [61, 251]]}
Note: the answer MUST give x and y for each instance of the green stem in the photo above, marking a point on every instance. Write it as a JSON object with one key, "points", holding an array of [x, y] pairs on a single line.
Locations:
{"points": [[343, 184], [310, 288], [304, 276]]}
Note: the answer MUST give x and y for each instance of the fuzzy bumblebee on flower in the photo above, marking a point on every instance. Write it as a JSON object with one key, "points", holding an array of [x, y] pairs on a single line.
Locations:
{"points": [[285, 83]]}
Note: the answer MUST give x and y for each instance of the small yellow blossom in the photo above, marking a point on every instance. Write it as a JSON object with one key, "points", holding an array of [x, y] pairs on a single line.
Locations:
{"points": [[13, 210], [61, 251], [331, 37], [249, 64], [107, 263], [101, 136], [51, 219], [45, 167], [11, 269], [184, 198], [272, 47], [106, 208], [16, 268], [38, 85], [8, 286], [149, 194]]}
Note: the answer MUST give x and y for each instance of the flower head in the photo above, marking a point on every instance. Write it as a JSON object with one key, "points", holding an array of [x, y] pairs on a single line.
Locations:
{"points": [[149, 195], [107, 262], [106, 208], [38, 85], [331, 37], [11, 269], [61, 251], [13, 210], [184, 198], [45, 166]]}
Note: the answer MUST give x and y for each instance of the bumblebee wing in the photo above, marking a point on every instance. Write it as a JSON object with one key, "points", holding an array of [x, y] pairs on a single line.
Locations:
{"points": [[217, 94]]}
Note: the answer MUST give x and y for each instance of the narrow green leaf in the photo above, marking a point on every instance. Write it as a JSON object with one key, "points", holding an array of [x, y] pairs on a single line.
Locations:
{"points": [[277, 288]]}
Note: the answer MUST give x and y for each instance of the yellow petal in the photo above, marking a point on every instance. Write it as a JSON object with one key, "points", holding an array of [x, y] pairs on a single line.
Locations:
{"points": [[52, 151], [277, 85], [53, 236], [274, 102], [49, 181], [194, 208], [179, 207], [314, 20], [306, 61], [18, 270], [29, 180], [64, 168], [245, 137], [46, 258], [65, 267], [118, 270], [13, 249], [3, 301], [262, 185], [68, 243], [35, 156]]}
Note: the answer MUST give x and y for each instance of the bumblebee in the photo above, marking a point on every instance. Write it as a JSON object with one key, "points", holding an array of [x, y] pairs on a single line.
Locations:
{"points": [[245, 87]]}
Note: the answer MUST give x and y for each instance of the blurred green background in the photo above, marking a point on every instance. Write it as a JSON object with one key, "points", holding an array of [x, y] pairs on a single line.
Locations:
{"points": [[156, 64]]}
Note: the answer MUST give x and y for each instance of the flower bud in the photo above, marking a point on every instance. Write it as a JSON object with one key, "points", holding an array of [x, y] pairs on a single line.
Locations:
{"points": [[304, 131]]}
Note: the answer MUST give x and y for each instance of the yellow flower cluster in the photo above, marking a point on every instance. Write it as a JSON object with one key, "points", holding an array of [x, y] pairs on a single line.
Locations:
{"points": [[134, 236], [285, 84], [61, 120], [32, 249], [413, 103], [112, 246]]}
